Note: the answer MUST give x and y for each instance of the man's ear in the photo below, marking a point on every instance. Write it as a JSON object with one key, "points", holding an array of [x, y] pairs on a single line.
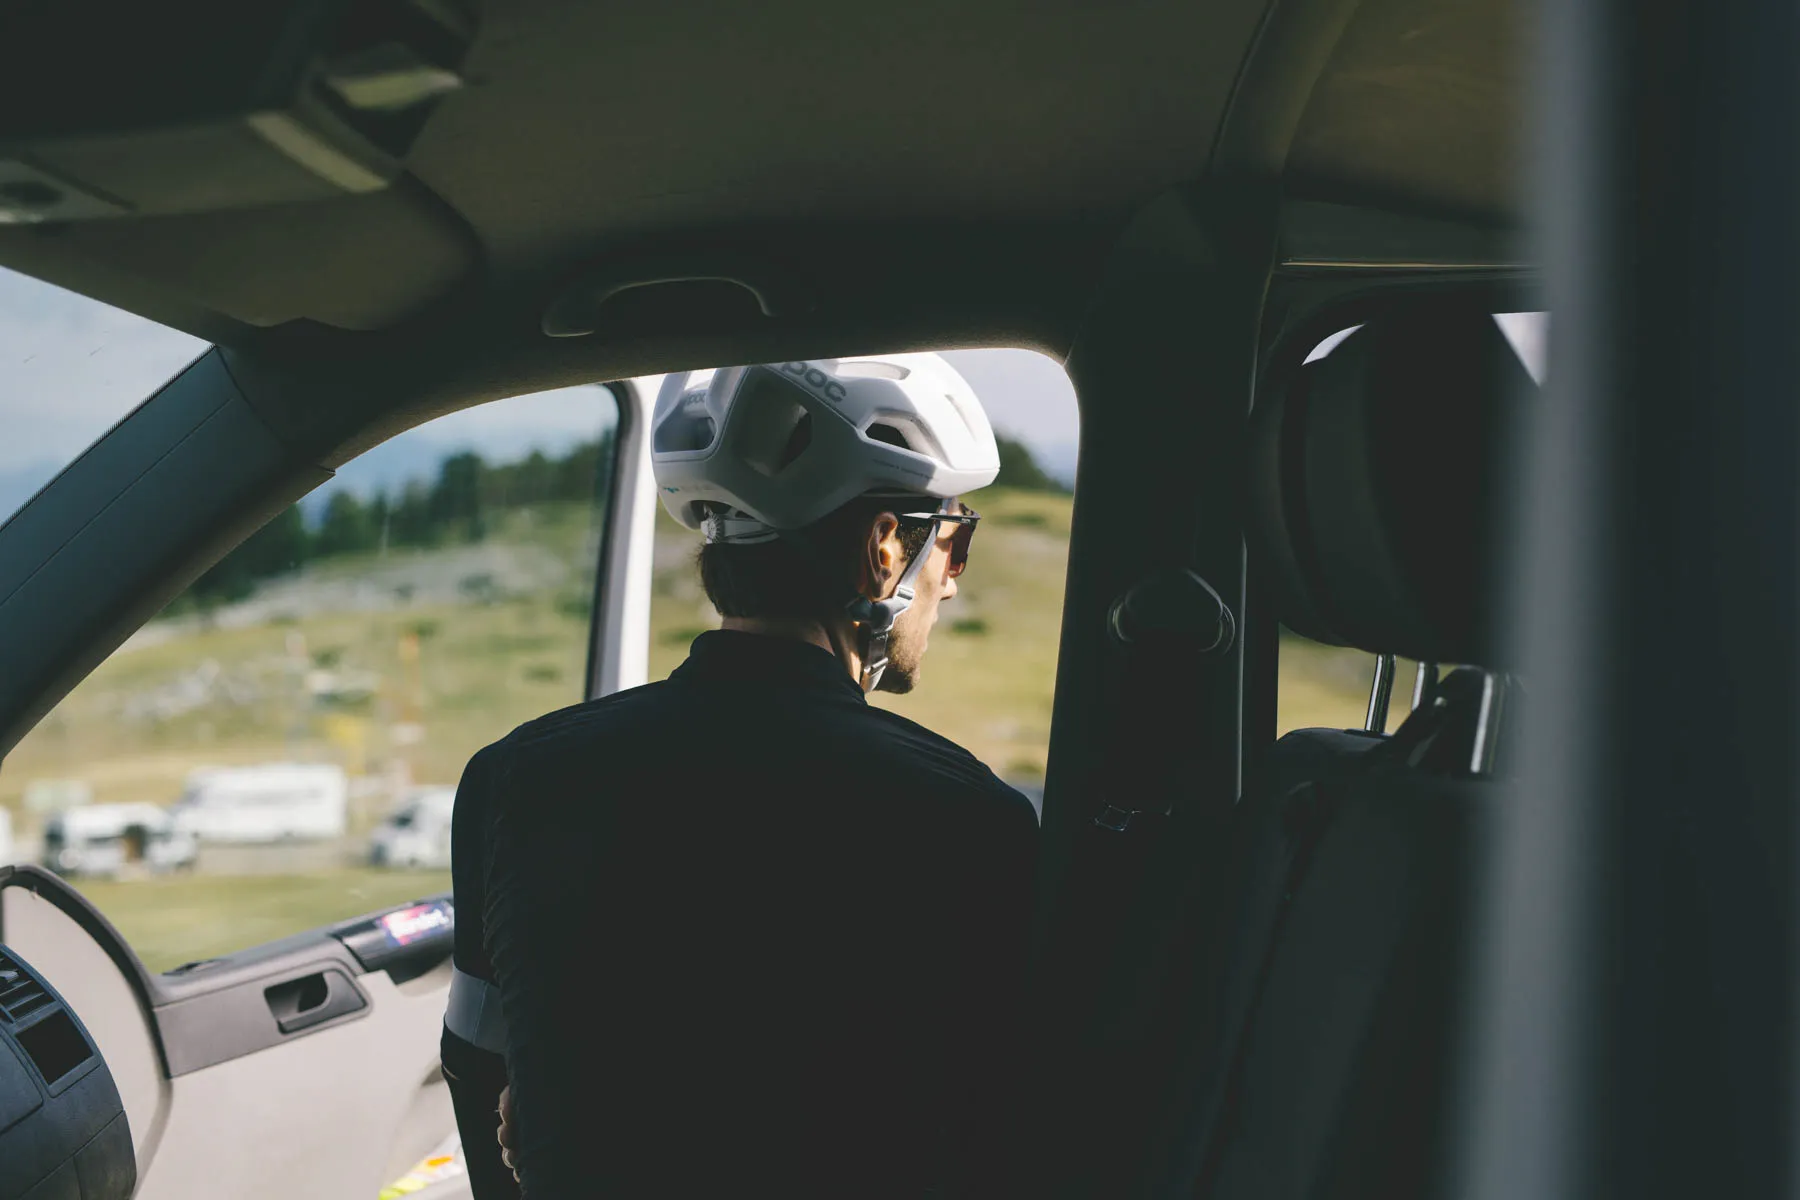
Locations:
{"points": [[881, 556]]}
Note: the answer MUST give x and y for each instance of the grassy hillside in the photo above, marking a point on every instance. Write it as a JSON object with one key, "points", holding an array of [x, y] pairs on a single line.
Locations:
{"points": [[320, 666], [400, 666]]}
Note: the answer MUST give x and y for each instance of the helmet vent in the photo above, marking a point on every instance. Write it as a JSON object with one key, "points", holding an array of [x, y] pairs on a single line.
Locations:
{"points": [[770, 427], [969, 411], [872, 370], [887, 433], [902, 431], [797, 443], [687, 427]]}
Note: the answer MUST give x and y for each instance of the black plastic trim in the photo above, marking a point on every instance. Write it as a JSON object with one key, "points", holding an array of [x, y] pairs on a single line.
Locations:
{"points": [[626, 424], [371, 943], [126, 526], [234, 1018]]}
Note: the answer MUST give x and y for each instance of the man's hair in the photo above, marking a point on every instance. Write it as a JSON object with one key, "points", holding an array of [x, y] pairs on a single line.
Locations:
{"points": [[810, 577]]}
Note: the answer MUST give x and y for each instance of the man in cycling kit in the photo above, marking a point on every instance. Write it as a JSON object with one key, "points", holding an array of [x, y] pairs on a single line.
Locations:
{"points": [[739, 931]]}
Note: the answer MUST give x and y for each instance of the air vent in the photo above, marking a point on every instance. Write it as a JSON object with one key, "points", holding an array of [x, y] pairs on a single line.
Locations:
{"points": [[21, 995], [798, 441], [872, 370], [55, 1045], [888, 434], [903, 430]]}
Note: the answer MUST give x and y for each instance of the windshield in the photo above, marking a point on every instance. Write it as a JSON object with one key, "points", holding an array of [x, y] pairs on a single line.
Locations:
{"points": [[70, 368]]}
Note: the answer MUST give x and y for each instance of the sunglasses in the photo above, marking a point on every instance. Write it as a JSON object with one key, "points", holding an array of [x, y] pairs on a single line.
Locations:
{"points": [[959, 541]]}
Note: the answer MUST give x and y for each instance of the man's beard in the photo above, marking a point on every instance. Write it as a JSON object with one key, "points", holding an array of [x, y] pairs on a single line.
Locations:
{"points": [[904, 655]]}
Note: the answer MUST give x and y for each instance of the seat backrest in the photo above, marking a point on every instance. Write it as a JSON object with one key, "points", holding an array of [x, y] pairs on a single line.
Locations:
{"points": [[1375, 494]]}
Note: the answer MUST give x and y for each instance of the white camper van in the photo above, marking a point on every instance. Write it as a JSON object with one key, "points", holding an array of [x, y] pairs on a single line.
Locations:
{"points": [[417, 832], [103, 839], [271, 802]]}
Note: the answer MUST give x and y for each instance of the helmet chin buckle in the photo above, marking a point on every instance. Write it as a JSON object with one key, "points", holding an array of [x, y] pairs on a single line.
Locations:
{"points": [[878, 617]]}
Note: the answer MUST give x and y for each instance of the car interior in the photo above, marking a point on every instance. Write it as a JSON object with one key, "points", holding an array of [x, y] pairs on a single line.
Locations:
{"points": [[1536, 941]]}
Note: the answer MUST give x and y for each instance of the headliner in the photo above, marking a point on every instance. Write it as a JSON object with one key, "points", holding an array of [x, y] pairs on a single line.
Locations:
{"points": [[950, 172]]}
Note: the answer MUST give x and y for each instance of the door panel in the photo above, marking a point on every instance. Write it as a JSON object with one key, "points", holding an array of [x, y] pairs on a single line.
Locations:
{"points": [[428, 1118], [336, 1114]]}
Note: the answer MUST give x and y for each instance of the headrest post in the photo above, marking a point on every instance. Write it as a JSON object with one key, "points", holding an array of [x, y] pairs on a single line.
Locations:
{"points": [[1487, 723], [1381, 690], [1424, 684]]}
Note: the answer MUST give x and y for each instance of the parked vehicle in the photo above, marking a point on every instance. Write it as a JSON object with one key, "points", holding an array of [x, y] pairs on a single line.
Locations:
{"points": [[54, 795], [266, 803], [103, 839], [417, 832]]}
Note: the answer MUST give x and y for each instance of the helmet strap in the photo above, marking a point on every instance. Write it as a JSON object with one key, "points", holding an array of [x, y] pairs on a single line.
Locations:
{"points": [[874, 619], [875, 629], [877, 619]]}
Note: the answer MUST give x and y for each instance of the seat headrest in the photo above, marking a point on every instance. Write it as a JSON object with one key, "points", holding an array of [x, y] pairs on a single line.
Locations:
{"points": [[1377, 486]]}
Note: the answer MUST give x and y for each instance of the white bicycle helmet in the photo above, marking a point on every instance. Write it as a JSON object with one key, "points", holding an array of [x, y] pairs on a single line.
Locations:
{"points": [[784, 444], [749, 454]]}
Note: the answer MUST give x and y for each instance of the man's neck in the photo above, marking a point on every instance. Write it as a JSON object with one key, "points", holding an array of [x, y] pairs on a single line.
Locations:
{"points": [[840, 641]]}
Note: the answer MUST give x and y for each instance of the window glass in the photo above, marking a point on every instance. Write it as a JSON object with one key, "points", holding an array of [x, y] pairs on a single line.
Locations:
{"points": [[989, 678], [70, 368], [240, 769]]}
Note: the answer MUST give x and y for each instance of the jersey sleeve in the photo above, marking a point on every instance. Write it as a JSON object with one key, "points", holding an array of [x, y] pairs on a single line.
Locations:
{"points": [[475, 1074], [469, 827]]}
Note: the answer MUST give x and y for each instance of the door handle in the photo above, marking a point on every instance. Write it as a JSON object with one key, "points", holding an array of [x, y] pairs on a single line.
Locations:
{"points": [[310, 1000]]}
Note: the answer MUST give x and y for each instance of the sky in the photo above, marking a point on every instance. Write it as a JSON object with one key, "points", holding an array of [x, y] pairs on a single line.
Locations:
{"points": [[71, 367]]}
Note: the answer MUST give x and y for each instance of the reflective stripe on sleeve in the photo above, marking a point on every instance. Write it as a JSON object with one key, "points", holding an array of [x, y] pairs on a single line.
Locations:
{"points": [[473, 1013]]}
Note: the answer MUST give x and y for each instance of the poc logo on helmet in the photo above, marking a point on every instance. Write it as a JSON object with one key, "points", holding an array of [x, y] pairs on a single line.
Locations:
{"points": [[816, 379]]}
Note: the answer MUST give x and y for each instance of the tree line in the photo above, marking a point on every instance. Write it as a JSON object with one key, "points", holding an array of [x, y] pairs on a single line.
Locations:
{"points": [[1019, 469], [458, 504]]}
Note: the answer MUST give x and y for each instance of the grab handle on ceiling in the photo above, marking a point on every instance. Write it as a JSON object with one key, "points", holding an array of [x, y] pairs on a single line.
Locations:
{"points": [[575, 310]]}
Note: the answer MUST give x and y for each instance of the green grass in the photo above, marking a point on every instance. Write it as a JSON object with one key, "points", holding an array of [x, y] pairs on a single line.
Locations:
{"points": [[174, 919]]}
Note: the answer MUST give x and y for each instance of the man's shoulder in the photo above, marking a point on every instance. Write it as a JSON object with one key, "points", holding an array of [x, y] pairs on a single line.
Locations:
{"points": [[562, 744], [567, 729], [913, 747], [904, 729], [578, 719]]}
